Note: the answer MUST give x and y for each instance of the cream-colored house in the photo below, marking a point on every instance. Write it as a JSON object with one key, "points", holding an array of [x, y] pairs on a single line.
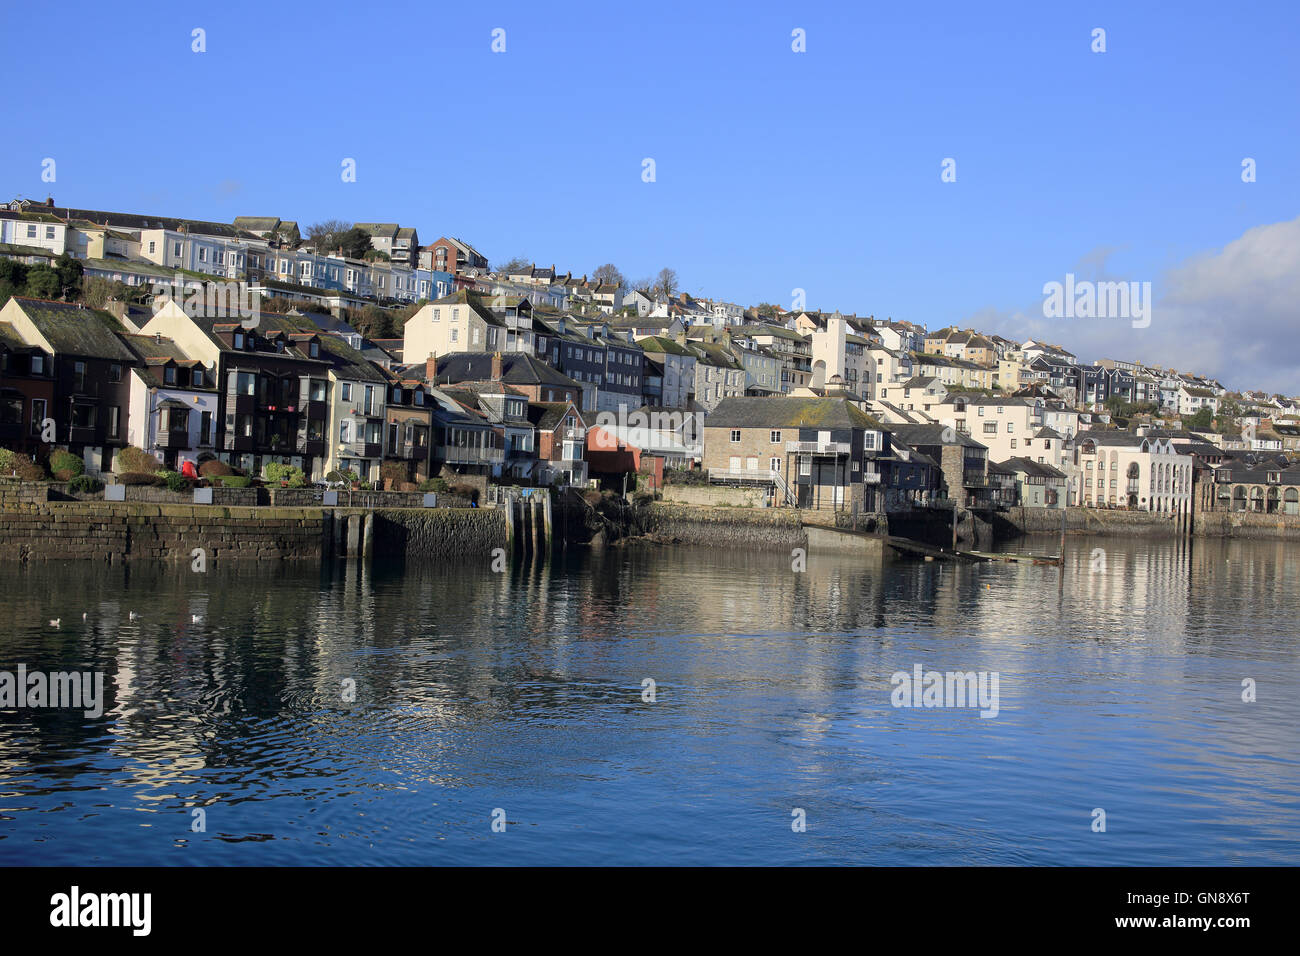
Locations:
{"points": [[460, 322]]}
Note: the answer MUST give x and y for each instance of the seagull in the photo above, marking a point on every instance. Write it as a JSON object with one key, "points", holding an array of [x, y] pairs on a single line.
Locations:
{"points": [[55, 622], [195, 618], [132, 615], [83, 615]]}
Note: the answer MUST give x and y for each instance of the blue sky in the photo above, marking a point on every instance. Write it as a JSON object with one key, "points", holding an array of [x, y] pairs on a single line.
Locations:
{"points": [[775, 170]]}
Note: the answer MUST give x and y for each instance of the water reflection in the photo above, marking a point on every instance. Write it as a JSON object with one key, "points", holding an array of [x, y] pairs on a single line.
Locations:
{"points": [[1120, 680]]}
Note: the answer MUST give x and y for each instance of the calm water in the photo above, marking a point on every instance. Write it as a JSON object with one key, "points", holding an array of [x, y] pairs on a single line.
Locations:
{"points": [[1120, 689]]}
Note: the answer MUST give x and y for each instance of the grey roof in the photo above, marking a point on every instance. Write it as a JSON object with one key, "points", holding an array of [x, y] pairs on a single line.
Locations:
{"points": [[517, 368], [75, 330], [787, 412], [1036, 469], [933, 434]]}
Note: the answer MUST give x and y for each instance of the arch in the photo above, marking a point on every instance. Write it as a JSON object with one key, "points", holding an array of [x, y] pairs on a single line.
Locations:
{"points": [[1291, 501], [1134, 470], [1239, 498], [1256, 498], [1272, 500]]}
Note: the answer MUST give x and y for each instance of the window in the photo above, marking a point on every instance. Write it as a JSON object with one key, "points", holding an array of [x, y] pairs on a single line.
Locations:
{"points": [[169, 375], [79, 376], [981, 411], [990, 428], [869, 441], [203, 253], [774, 464], [49, 232], [115, 373], [1013, 443], [454, 336], [345, 431], [31, 231], [776, 438], [196, 377], [735, 436], [114, 420], [313, 349], [345, 392], [38, 364], [239, 340], [38, 414], [1011, 427], [205, 429]]}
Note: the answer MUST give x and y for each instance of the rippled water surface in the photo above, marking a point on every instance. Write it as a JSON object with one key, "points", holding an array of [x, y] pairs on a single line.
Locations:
{"points": [[1120, 689]]}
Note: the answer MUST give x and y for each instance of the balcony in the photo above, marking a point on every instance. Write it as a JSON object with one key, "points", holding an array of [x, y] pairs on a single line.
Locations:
{"points": [[974, 479], [871, 478], [174, 440], [312, 447], [82, 435], [464, 455], [818, 447]]}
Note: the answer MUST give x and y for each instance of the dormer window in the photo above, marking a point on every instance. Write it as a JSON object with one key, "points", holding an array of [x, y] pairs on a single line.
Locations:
{"points": [[196, 378], [314, 349], [169, 375], [239, 340]]}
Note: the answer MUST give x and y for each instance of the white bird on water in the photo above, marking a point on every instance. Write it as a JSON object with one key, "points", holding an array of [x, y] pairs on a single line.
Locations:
{"points": [[132, 615], [83, 615], [55, 622], [196, 618]]}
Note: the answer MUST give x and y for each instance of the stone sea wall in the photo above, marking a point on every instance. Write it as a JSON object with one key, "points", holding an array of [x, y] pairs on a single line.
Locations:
{"points": [[439, 532], [116, 532], [774, 529], [1240, 524], [1017, 521]]}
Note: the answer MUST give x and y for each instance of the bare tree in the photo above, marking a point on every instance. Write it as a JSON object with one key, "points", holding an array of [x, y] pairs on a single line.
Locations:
{"points": [[517, 264], [666, 282], [327, 234], [608, 274]]}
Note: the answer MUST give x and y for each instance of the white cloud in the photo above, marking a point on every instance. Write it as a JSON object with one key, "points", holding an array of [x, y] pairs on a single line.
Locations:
{"points": [[1233, 314]]}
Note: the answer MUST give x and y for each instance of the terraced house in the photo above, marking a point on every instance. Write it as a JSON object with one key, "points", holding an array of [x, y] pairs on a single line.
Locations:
{"points": [[273, 386], [89, 372], [817, 453], [173, 402]]}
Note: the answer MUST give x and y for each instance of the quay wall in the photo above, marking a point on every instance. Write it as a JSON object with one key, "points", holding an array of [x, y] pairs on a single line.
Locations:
{"points": [[774, 529], [1241, 524]]}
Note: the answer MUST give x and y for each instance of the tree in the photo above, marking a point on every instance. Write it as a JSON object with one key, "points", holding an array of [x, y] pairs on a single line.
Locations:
{"points": [[13, 279], [327, 234], [1201, 420], [355, 243], [608, 274], [769, 309], [517, 264], [97, 292], [43, 283], [643, 285], [70, 272], [666, 282]]}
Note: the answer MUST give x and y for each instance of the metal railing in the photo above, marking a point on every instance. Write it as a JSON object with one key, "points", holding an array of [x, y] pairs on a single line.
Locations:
{"points": [[819, 447]]}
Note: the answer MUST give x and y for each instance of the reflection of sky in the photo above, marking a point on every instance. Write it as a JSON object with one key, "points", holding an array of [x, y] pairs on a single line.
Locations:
{"points": [[1120, 689]]}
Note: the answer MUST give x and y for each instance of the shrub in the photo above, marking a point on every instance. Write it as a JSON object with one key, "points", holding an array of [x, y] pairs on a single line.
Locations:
{"points": [[393, 471], [435, 484], [142, 478], [132, 460], [26, 469], [345, 477], [364, 484], [298, 479], [6, 461], [85, 485], [235, 481], [216, 468], [464, 491], [175, 481], [642, 498], [66, 465]]}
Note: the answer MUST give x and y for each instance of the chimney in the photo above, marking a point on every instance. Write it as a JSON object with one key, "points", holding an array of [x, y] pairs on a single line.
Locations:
{"points": [[431, 368], [157, 338], [496, 366]]}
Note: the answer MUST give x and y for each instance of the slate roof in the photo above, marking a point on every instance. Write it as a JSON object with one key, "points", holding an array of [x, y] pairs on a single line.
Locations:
{"points": [[1034, 469], [74, 330], [933, 434], [517, 368], [787, 412], [547, 416]]}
